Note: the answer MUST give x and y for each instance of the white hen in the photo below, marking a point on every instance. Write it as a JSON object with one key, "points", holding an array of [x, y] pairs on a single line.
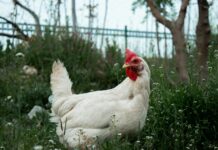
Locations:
{"points": [[82, 117]]}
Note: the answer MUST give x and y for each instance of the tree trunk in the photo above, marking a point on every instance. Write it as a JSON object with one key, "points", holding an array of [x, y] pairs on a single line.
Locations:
{"points": [[157, 37], [104, 23], [176, 28], [74, 17], [203, 37], [180, 58], [33, 14]]}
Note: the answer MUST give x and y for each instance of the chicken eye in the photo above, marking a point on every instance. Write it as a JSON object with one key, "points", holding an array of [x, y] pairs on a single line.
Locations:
{"points": [[135, 61]]}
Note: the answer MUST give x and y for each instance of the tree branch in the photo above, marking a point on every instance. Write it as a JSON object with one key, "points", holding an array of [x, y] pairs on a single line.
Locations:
{"points": [[11, 36], [156, 13], [35, 17], [21, 35], [182, 12]]}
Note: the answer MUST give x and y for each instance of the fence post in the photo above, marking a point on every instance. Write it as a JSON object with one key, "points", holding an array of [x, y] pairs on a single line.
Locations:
{"points": [[126, 36]]}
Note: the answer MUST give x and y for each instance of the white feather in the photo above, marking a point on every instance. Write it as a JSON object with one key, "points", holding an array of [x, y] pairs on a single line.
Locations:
{"points": [[122, 109]]}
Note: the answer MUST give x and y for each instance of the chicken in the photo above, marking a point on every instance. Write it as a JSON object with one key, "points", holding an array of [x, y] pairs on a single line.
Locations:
{"points": [[80, 118]]}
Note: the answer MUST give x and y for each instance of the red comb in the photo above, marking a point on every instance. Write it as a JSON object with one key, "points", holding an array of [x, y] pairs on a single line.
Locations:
{"points": [[129, 55]]}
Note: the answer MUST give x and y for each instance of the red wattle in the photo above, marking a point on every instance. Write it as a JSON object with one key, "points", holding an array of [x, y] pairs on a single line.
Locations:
{"points": [[131, 74]]}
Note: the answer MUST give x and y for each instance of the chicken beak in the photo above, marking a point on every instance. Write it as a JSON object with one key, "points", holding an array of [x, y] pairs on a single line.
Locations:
{"points": [[126, 65]]}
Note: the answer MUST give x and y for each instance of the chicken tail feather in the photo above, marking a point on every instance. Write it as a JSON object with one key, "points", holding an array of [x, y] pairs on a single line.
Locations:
{"points": [[60, 81]]}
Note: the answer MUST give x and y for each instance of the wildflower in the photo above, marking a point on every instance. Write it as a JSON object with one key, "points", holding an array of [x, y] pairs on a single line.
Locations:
{"points": [[9, 124], [172, 72], [94, 146], [210, 67], [191, 56], [9, 97], [151, 107], [119, 134], [155, 84], [116, 65], [51, 141], [149, 137], [19, 54], [189, 126], [180, 110], [38, 147]]}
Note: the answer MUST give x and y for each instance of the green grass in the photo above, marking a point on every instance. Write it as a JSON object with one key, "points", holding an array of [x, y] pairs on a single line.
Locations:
{"points": [[179, 116]]}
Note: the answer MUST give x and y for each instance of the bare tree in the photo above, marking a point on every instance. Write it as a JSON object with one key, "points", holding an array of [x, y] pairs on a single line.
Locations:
{"points": [[176, 28], [157, 37], [104, 22], [91, 15], [203, 37], [74, 16], [58, 19], [33, 14], [20, 34]]}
